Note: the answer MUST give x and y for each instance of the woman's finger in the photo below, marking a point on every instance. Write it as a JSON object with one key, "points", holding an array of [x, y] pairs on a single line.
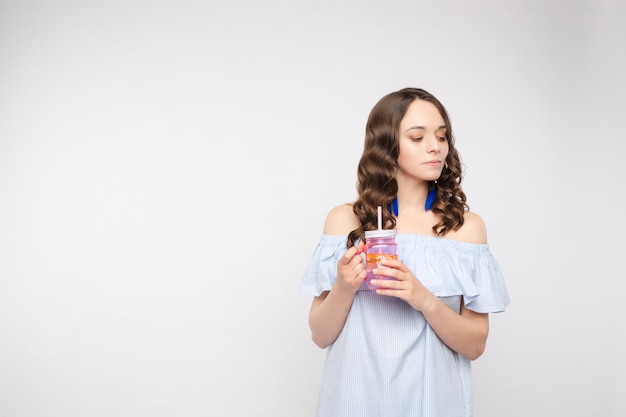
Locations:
{"points": [[387, 272], [348, 256], [393, 263]]}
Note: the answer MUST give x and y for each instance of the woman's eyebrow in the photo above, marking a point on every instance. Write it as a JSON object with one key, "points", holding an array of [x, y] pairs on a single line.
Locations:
{"points": [[422, 127]]}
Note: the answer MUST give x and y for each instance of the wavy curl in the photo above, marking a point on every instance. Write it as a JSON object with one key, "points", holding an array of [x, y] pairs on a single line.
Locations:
{"points": [[376, 182]]}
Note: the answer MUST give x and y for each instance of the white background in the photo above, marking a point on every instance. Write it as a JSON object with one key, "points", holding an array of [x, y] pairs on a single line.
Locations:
{"points": [[166, 168]]}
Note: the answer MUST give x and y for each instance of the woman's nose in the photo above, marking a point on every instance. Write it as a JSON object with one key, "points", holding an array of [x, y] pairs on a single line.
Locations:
{"points": [[433, 145]]}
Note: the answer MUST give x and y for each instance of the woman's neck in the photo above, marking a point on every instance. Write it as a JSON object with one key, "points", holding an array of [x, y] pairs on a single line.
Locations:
{"points": [[413, 197]]}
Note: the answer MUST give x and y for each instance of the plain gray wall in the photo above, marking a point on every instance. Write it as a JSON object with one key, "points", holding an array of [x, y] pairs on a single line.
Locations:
{"points": [[166, 167]]}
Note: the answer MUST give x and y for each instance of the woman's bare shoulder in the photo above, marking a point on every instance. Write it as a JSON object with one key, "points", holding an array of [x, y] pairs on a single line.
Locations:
{"points": [[341, 220], [474, 229]]}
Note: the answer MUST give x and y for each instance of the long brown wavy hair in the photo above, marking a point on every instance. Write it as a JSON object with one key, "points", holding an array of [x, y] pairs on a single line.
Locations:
{"points": [[376, 182]]}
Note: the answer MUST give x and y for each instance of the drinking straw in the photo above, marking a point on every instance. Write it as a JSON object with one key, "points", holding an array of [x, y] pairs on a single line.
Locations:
{"points": [[380, 218]]}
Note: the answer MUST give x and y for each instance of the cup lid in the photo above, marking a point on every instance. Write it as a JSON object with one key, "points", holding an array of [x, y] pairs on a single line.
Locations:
{"points": [[380, 233]]}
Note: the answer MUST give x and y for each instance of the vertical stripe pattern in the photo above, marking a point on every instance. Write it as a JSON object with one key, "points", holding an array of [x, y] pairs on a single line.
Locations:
{"points": [[387, 361]]}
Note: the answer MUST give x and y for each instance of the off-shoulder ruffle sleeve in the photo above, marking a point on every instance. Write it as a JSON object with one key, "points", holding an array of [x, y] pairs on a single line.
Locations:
{"points": [[449, 267], [446, 267], [491, 295], [321, 272]]}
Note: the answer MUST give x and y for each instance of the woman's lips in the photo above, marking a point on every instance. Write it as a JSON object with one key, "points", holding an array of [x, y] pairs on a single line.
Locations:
{"points": [[434, 163]]}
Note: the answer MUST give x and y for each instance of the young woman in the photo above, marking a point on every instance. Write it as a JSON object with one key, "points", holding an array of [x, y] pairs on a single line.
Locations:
{"points": [[404, 348]]}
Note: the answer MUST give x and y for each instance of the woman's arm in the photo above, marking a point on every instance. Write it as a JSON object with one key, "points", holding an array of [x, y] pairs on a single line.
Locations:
{"points": [[330, 309], [328, 315], [465, 332]]}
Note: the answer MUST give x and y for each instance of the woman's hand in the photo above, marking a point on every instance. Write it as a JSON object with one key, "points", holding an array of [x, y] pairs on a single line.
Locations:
{"points": [[464, 332], [405, 286], [350, 269]]}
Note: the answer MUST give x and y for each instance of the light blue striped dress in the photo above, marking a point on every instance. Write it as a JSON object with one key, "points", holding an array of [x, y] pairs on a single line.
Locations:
{"points": [[387, 361]]}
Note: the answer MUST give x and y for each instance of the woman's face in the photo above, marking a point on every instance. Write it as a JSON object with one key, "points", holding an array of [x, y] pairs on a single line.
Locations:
{"points": [[422, 142]]}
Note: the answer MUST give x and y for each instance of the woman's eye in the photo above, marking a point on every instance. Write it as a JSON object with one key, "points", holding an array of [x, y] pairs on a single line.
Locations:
{"points": [[416, 139], [442, 139]]}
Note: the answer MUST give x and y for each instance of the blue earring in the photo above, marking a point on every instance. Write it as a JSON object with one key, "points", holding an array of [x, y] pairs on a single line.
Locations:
{"points": [[393, 207], [430, 198]]}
